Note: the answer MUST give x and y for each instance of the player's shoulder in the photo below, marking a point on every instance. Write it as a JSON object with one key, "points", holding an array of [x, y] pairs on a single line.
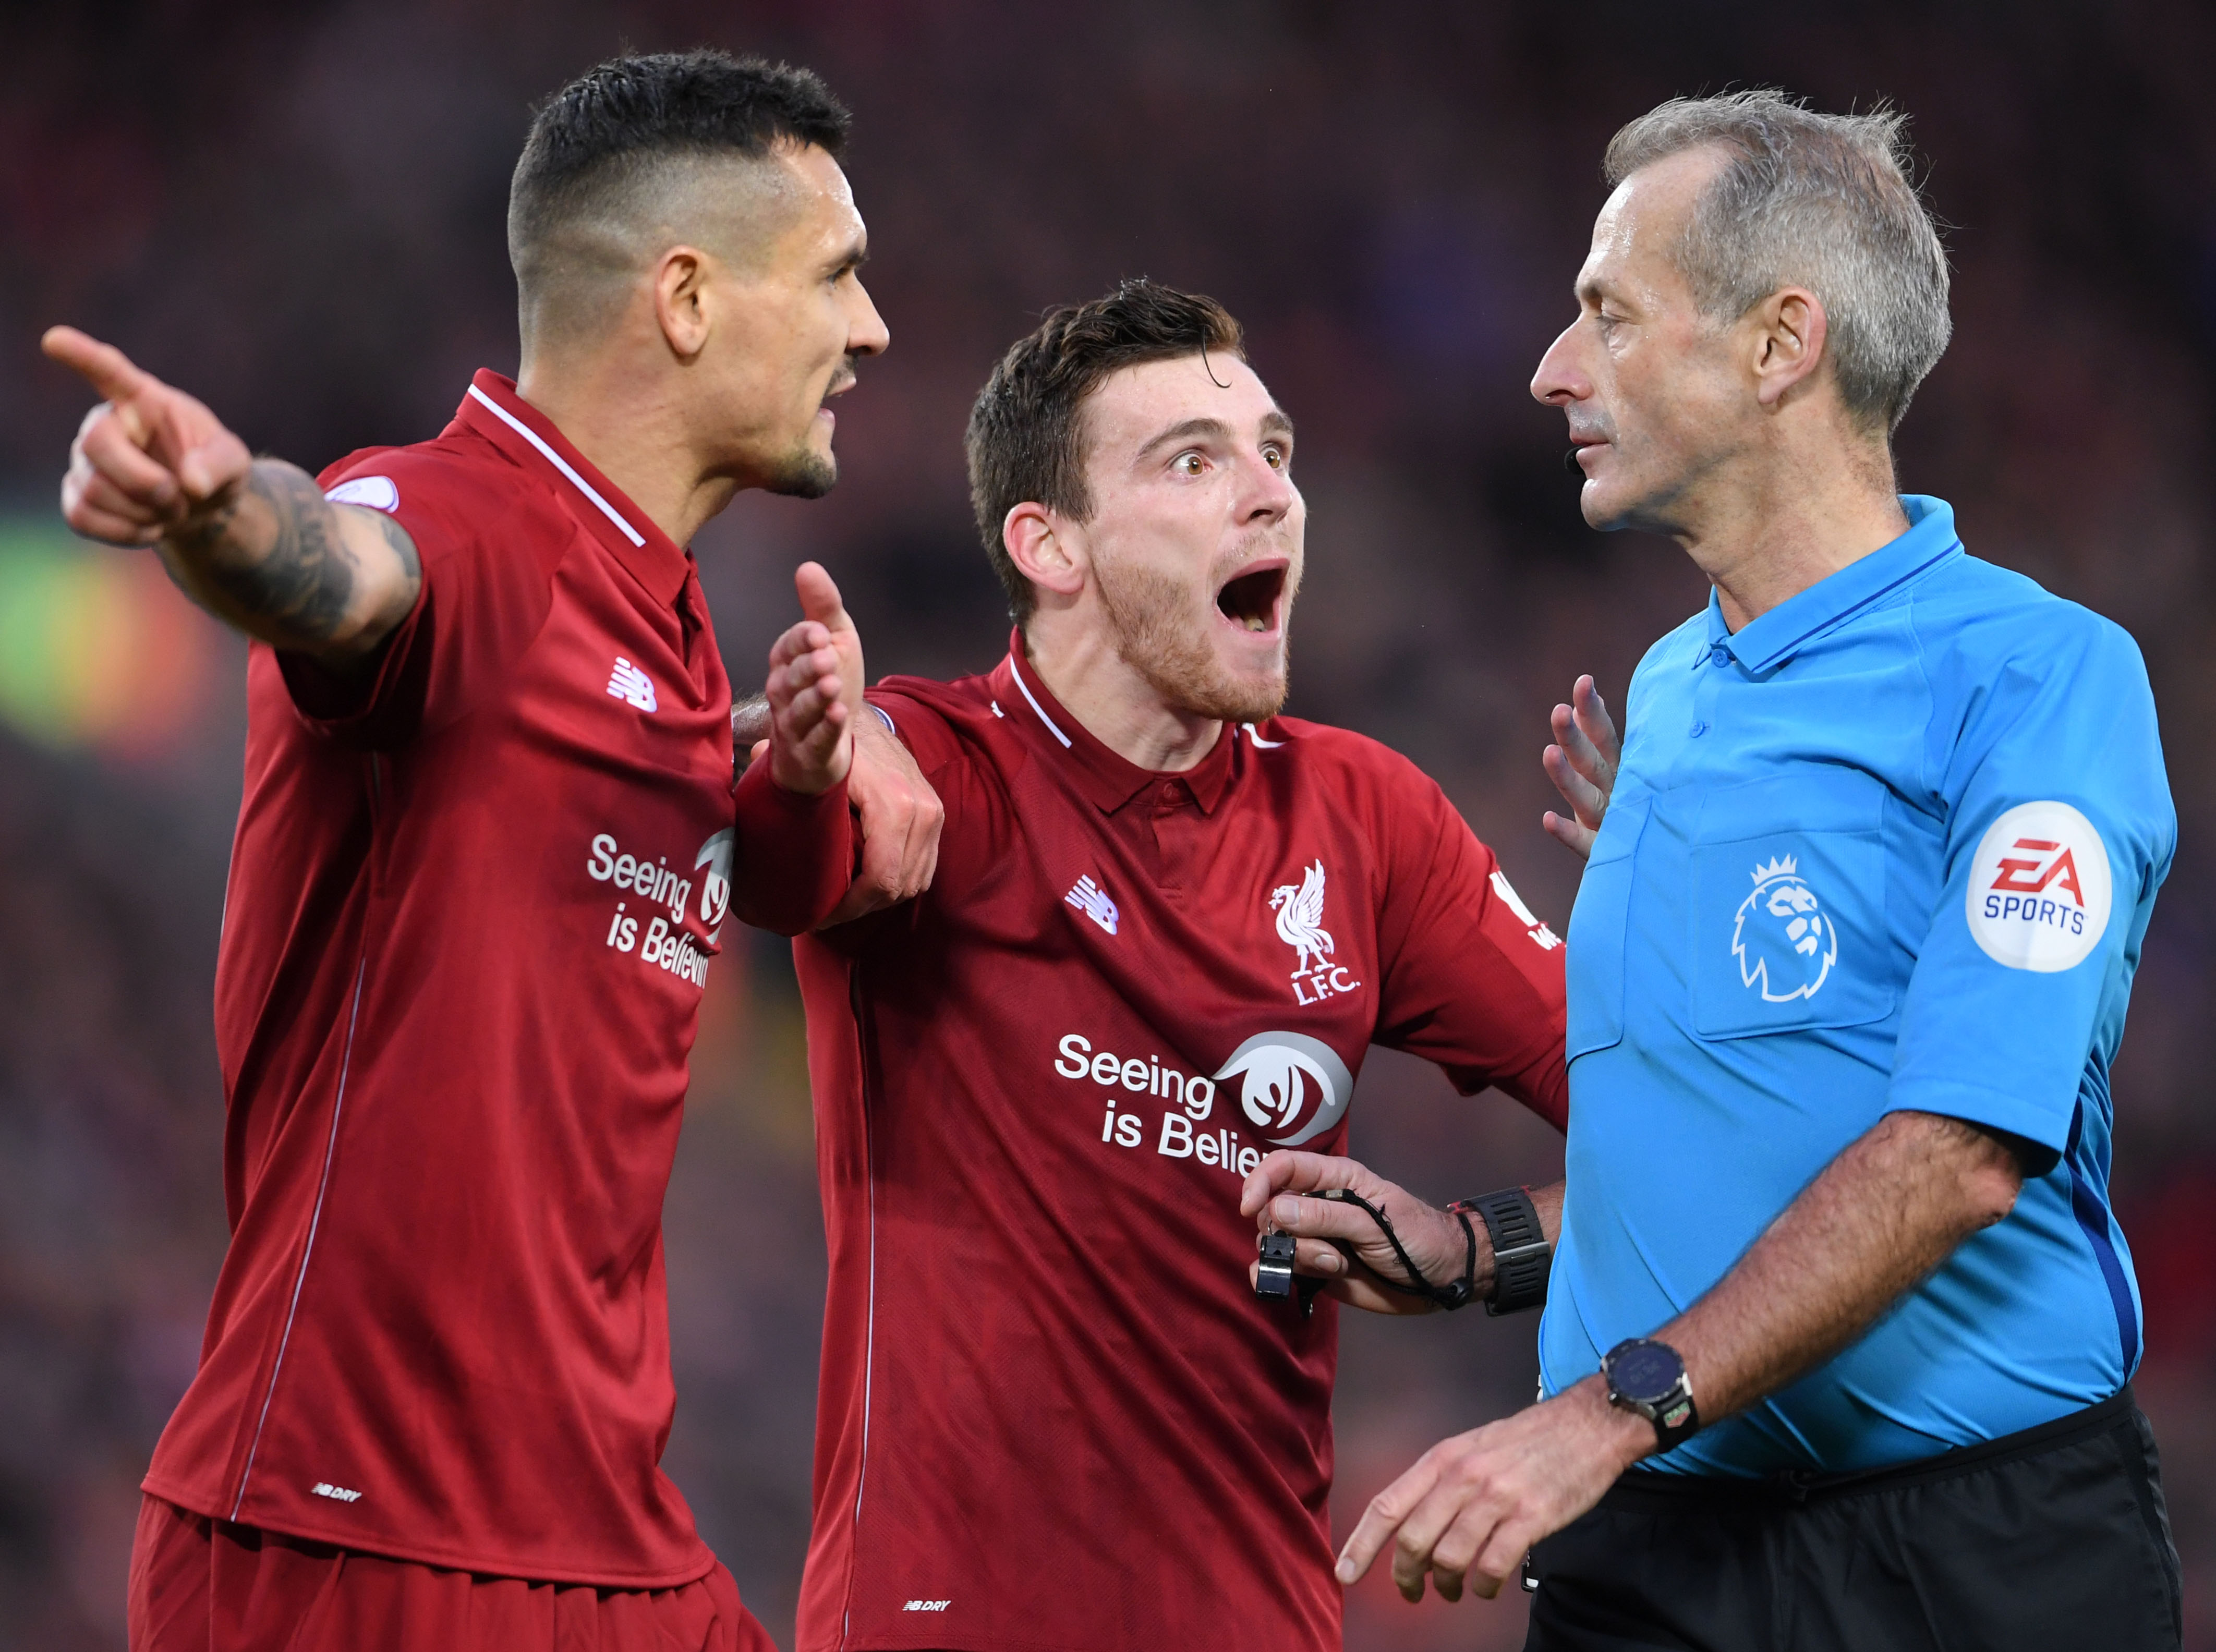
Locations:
{"points": [[959, 698], [1974, 620], [936, 720], [456, 475]]}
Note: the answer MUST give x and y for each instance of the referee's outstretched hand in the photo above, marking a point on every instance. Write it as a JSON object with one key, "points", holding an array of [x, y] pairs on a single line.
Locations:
{"points": [[1582, 763], [1342, 1244], [814, 689]]}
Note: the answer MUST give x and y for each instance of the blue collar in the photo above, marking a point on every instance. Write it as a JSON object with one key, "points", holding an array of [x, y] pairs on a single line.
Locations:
{"points": [[1762, 643]]}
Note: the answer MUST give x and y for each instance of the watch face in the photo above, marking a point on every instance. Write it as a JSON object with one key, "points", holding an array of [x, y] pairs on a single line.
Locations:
{"points": [[1645, 1371]]}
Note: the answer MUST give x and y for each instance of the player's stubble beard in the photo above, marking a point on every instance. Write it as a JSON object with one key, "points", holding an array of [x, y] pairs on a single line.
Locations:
{"points": [[1150, 616], [804, 473]]}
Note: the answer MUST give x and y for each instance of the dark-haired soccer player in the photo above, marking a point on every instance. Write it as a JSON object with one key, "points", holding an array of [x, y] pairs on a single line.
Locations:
{"points": [[1167, 926], [480, 865]]}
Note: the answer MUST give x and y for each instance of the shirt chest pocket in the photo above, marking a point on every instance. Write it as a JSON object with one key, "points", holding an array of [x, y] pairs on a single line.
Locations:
{"points": [[1788, 905], [1593, 956]]}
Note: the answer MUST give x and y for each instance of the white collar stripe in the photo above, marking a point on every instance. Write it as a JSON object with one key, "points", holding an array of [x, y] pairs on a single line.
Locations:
{"points": [[1028, 695], [565, 467]]}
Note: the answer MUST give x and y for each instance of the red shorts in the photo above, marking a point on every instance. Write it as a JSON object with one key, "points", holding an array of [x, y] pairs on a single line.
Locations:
{"points": [[198, 1585]]}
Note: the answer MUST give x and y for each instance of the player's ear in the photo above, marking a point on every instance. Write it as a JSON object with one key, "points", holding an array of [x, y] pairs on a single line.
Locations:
{"points": [[680, 307], [1048, 551]]}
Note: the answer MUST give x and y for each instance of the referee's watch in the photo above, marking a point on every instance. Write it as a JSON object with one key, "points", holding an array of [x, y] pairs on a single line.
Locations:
{"points": [[1649, 1378]]}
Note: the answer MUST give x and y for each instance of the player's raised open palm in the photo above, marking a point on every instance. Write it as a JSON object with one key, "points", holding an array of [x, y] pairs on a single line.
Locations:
{"points": [[814, 689]]}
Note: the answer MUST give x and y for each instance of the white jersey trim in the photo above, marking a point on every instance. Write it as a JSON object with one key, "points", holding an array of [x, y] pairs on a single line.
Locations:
{"points": [[561, 464], [1028, 695]]}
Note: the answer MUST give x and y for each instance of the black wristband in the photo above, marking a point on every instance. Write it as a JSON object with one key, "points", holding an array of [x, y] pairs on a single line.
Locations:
{"points": [[1521, 1255]]}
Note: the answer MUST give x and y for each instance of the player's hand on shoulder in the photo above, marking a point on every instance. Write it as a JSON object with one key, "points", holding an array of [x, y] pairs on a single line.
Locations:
{"points": [[149, 459], [1582, 763], [814, 689], [900, 818], [1284, 1192]]}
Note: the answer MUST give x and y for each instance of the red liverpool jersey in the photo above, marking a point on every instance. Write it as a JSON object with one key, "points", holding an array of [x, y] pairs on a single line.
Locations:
{"points": [[471, 907], [1053, 1413]]}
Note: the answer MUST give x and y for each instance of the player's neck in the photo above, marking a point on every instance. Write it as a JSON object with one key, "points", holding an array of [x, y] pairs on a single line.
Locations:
{"points": [[1765, 534], [634, 435], [1116, 706]]}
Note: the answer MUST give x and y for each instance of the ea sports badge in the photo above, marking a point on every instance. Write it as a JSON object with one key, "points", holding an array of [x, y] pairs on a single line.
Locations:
{"points": [[2040, 894]]}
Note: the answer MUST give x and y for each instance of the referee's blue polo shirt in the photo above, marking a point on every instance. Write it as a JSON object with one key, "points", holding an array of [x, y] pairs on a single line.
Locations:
{"points": [[1892, 846]]}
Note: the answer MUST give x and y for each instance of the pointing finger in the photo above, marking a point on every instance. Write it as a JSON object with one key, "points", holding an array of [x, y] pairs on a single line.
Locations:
{"points": [[108, 370]]}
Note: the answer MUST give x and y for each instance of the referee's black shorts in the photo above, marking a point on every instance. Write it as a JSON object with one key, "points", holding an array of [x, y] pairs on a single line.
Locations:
{"points": [[2053, 1538]]}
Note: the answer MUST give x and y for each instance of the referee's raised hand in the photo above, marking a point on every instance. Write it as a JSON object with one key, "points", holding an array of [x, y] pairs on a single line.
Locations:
{"points": [[814, 689], [1582, 763]]}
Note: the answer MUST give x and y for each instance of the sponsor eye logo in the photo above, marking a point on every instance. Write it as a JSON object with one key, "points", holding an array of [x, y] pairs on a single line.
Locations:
{"points": [[1783, 941], [631, 685], [1093, 901], [1545, 938], [1294, 1086], [2040, 888], [715, 856], [666, 941], [1299, 926]]}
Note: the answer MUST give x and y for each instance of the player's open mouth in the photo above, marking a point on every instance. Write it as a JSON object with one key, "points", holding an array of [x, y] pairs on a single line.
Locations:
{"points": [[1250, 600]]}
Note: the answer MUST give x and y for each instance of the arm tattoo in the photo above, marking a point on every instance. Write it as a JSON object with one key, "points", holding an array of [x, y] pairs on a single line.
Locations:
{"points": [[273, 558], [403, 547], [305, 576]]}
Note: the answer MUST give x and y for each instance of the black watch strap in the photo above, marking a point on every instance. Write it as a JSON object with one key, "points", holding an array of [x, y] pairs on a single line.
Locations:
{"points": [[1648, 1376], [1521, 1255]]}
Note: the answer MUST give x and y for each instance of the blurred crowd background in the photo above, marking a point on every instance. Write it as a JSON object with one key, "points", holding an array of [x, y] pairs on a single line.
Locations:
{"points": [[295, 210]]}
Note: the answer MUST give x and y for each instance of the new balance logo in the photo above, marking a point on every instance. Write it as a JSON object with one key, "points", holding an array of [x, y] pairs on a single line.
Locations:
{"points": [[631, 685], [1092, 899], [337, 1494]]}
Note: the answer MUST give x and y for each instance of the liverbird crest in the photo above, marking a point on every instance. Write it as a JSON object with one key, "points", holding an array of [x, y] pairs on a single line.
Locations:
{"points": [[1300, 916]]}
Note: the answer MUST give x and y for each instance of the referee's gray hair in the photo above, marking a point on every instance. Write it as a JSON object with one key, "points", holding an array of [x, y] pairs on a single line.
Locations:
{"points": [[1823, 201]]}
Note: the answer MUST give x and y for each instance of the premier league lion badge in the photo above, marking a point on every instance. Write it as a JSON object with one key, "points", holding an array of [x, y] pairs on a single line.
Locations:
{"points": [[1784, 943]]}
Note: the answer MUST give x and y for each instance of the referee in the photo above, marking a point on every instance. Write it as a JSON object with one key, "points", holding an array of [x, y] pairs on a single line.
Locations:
{"points": [[1841, 1325]]}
